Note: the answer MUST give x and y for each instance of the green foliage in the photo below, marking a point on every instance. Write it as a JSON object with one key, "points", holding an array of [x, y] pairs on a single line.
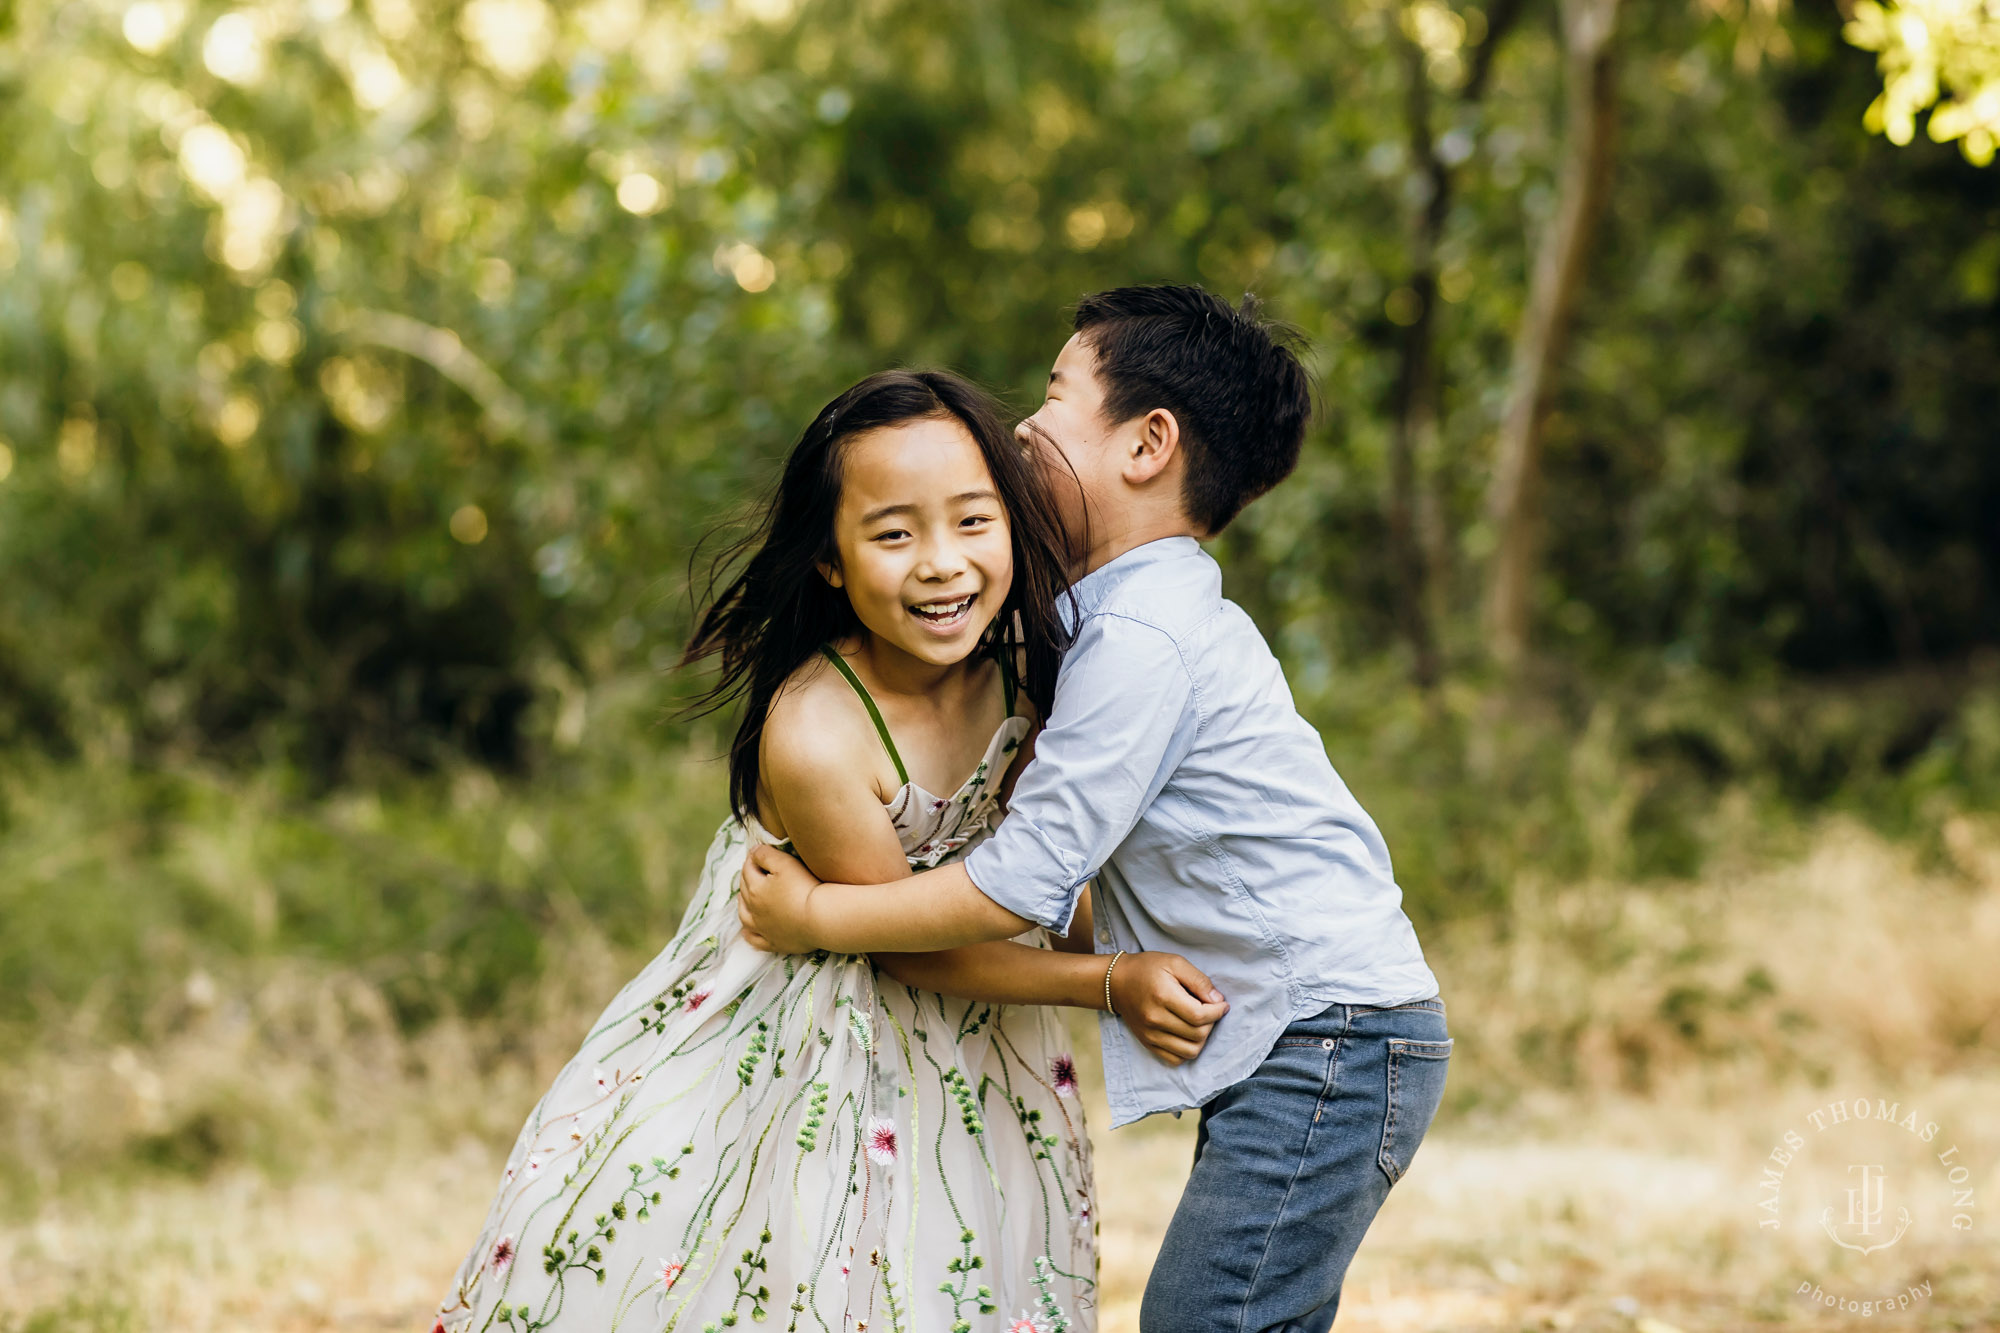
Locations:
{"points": [[78, 1314], [369, 373], [1941, 56], [442, 893]]}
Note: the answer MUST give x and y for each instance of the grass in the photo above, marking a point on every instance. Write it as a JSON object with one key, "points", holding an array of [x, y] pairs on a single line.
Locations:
{"points": [[283, 1153], [264, 1047], [1616, 1215]]}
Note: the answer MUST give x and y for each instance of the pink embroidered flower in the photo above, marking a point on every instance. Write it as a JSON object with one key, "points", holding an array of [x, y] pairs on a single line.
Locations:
{"points": [[939, 805], [1027, 1323], [603, 1083], [503, 1254], [698, 999], [1062, 1071], [534, 1166], [670, 1271], [437, 1326], [881, 1142]]}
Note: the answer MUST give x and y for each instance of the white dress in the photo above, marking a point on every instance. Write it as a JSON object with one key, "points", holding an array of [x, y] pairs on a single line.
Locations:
{"points": [[799, 1142]]}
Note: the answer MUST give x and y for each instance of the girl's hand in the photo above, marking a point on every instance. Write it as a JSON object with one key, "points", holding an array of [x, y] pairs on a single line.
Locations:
{"points": [[1167, 1002], [773, 902]]}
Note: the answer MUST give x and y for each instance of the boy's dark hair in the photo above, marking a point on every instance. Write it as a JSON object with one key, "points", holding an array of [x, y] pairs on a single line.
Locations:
{"points": [[1230, 377]]}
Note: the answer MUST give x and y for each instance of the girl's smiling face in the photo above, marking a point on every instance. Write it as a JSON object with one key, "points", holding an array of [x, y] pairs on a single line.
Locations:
{"points": [[926, 557]]}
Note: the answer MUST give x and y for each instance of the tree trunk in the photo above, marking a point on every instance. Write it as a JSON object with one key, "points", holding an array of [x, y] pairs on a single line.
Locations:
{"points": [[1591, 75], [1418, 550], [1414, 441]]}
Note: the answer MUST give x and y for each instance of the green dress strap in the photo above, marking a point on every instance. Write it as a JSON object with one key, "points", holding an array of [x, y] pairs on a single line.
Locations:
{"points": [[1008, 685], [881, 727]]}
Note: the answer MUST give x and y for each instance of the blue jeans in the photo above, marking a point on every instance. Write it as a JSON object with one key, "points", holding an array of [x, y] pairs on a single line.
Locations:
{"points": [[1290, 1167]]}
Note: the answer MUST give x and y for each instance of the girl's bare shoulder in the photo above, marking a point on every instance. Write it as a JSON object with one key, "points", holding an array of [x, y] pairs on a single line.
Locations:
{"points": [[816, 727]]}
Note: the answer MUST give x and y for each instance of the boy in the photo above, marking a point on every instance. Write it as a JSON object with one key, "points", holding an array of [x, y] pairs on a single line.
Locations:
{"points": [[1174, 769]]}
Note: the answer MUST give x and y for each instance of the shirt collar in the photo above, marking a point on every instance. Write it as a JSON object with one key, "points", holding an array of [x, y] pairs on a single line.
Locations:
{"points": [[1091, 590]]}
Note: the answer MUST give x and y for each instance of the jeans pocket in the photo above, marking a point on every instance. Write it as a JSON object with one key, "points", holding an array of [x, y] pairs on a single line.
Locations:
{"points": [[1416, 1086]]}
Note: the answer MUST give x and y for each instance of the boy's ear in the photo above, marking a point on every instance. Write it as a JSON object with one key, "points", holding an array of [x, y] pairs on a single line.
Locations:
{"points": [[830, 572], [1152, 447]]}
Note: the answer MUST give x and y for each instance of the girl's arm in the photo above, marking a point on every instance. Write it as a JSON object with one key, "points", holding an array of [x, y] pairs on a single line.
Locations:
{"points": [[1152, 993], [1003, 972]]}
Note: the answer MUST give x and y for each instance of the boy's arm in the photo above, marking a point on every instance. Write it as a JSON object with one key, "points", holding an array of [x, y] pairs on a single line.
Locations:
{"points": [[1082, 936], [1124, 717], [786, 910]]}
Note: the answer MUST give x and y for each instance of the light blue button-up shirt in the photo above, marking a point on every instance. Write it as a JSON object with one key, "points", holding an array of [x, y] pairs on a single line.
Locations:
{"points": [[1175, 770]]}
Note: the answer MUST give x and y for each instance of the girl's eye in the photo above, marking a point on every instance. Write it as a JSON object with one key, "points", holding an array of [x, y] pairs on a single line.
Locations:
{"points": [[975, 520]]}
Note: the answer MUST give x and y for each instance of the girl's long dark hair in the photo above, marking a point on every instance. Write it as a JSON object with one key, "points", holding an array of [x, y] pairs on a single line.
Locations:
{"points": [[776, 612]]}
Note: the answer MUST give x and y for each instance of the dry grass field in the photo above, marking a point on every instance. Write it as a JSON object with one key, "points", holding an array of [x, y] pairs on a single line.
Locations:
{"points": [[1628, 1059]]}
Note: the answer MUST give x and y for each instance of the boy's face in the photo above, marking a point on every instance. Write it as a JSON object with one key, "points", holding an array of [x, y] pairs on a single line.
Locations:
{"points": [[1078, 450]]}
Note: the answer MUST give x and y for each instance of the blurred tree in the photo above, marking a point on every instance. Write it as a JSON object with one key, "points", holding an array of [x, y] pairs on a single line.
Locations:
{"points": [[1590, 90], [1432, 37], [369, 371]]}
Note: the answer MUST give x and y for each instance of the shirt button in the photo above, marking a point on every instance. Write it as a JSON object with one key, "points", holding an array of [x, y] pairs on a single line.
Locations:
{"points": [[1326, 1043]]}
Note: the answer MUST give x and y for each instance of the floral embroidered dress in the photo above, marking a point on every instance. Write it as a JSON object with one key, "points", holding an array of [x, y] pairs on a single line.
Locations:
{"points": [[798, 1142]]}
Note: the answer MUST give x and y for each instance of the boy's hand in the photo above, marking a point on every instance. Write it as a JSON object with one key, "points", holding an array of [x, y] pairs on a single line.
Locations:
{"points": [[1167, 1002], [775, 901]]}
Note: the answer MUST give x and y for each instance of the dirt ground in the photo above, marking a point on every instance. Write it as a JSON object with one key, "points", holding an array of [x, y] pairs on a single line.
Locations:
{"points": [[1623, 1216], [1817, 1146]]}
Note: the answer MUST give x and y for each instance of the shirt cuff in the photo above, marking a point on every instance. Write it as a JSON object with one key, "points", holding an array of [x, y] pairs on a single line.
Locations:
{"points": [[1026, 873]]}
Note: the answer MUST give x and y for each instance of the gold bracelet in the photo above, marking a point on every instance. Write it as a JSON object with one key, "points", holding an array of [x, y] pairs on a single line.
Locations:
{"points": [[1107, 982]]}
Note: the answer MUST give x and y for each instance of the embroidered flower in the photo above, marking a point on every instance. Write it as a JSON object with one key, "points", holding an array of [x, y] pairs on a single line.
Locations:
{"points": [[698, 999], [670, 1271], [603, 1082], [503, 1254], [534, 1165], [1062, 1071], [1027, 1323], [881, 1142], [939, 805]]}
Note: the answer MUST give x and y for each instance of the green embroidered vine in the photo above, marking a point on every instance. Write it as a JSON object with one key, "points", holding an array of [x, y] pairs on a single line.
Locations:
{"points": [[745, 1272], [968, 1104], [1052, 1312], [747, 1066], [815, 1113], [963, 1267]]}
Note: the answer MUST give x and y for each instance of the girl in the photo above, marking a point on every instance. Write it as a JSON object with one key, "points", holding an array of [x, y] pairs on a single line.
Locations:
{"points": [[749, 1136]]}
